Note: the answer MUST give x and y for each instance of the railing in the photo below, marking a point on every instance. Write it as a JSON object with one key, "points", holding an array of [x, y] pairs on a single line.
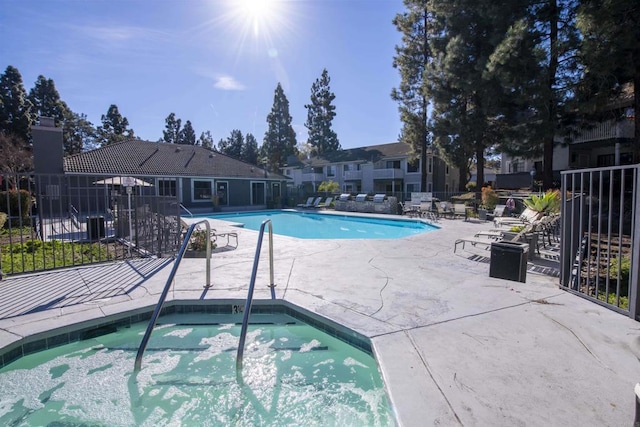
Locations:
{"points": [[247, 306], [165, 291], [186, 210], [600, 235]]}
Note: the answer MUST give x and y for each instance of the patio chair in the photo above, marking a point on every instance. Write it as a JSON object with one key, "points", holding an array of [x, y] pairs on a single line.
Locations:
{"points": [[315, 203], [326, 203], [474, 241], [307, 204], [228, 234], [526, 217], [461, 210], [444, 210]]}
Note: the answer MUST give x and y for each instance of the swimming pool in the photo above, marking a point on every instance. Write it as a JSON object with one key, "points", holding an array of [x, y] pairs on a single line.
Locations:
{"points": [[294, 374], [308, 225]]}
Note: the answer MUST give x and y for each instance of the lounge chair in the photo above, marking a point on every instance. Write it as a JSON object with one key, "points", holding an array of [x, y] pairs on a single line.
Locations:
{"points": [[474, 241], [326, 203], [313, 204], [227, 235], [444, 210], [526, 217], [307, 204], [461, 210]]}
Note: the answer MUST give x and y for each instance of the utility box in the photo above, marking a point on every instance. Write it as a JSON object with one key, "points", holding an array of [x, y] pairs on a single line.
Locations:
{"points": [[509, 260], [95, 228]]}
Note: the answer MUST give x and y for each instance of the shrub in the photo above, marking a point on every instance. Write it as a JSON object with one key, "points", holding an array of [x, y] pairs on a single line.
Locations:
{"points": [[3, 219], [329, 186], [20, 204], [198, 240], [547, 204], [489, 198]]}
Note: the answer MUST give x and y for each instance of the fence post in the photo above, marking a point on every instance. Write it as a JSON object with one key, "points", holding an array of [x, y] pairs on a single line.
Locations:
{"points": [[634, 274]]}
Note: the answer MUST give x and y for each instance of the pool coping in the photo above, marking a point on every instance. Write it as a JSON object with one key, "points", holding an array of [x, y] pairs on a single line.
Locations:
{"points": [[51, 338]]}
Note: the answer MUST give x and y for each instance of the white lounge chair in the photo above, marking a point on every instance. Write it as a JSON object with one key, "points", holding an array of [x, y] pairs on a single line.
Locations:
{"points": [[326, 203], [307, 204], [528, 216]]}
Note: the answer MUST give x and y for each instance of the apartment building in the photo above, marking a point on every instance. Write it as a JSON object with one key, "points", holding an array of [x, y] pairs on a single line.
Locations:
{"points": [[385, 168]]}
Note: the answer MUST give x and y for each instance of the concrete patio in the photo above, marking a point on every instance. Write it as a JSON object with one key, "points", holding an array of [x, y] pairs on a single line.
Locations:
{"points": [[455, 346]]}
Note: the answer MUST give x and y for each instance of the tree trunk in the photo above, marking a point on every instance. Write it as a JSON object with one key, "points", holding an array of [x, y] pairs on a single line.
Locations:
{"points": [[547, 148]]}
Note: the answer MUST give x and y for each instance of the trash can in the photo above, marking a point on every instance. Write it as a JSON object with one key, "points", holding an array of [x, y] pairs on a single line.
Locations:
{"points": [[95, 227], [509, 260]]}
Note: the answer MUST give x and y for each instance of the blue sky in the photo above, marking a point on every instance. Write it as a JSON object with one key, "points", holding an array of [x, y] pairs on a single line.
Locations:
{"points": [[214, 62]]}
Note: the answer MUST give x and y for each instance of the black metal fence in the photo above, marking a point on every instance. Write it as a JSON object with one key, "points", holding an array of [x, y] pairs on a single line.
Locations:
{"points": [[600, 234], [56, 221]]}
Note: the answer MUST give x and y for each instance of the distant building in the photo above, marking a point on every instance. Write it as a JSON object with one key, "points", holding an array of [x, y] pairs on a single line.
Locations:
{"points": [[193, 174], [385, 168], [609, 142]]}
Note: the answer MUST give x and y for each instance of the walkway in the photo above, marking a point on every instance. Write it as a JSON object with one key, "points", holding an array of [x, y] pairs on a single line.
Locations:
{"points": [[455, 346]]}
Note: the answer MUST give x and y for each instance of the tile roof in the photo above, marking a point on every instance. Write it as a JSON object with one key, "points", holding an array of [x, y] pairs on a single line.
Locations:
{"points": [[136, 157]]}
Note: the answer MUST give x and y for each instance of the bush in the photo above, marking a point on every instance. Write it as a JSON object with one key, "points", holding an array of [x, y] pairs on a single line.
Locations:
{"points": [[329, 186], [20, 204], [547, 204], [489, 198], [3, 219]]}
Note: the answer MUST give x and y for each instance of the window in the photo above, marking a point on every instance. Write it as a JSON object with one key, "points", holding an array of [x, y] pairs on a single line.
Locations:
{"points": [[331, 170], [287, 172], [351, 167], [393, 164], [413, 165], [412, 188], [167, 187], [606, 160], [446, 169], [429, 187], [258, 194], [429, 164], [201, 190]]}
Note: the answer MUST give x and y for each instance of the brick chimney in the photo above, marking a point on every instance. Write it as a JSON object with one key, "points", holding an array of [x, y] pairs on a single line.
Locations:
{"points": [[48, 149]]}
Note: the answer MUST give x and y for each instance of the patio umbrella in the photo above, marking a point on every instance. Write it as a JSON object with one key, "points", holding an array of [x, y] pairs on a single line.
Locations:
{"points": [[127, 181]]}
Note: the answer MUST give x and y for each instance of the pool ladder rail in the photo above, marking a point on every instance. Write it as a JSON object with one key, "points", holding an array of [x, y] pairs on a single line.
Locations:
{"points": [[248, 303]]}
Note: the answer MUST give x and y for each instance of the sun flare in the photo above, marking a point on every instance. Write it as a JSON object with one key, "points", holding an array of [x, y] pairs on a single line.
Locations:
{"points": [[258, 14]]}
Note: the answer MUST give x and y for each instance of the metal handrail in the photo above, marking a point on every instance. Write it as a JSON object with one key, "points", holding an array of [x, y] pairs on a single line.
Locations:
{"points": [[186, 210], [165, 291], [247, 306]]}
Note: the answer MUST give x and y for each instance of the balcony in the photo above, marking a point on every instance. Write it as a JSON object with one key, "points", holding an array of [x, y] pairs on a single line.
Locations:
{"points": [[312, 177], [352, 175], [388, 174], [609, 129]]}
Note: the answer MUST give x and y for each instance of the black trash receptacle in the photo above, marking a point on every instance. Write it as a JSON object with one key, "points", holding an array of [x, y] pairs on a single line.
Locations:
{"points": [[509, 260], [95, 227]]}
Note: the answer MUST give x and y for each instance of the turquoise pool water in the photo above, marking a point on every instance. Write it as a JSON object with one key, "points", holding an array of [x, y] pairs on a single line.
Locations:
{"points": [[294, 374], [307, 225]]}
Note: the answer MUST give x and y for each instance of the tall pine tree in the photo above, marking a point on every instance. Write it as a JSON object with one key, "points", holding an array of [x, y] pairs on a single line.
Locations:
{"points": [[206, 140], [16, 115], [250, 149], [611, 54], [466, 114], [280, 138], [187, 134], [320, 114], [173, 126], [115, 127], [232, 146], [46, 101], [411, 60]]}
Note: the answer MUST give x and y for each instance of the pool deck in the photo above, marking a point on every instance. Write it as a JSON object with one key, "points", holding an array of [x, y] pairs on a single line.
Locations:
{"points": [[455, 346]]}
